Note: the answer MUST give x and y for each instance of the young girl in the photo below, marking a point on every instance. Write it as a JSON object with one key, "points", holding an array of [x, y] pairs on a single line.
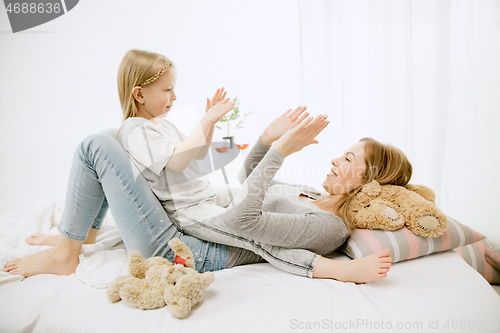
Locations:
{"points": [[273, 226]]}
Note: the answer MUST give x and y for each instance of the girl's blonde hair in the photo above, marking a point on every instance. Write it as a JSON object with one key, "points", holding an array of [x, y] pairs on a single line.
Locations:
{"points": [[384, 163], [138, 68]]}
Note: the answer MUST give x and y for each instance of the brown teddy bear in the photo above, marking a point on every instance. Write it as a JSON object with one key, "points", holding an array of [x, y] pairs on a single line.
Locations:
{"points": [[389, 207], [156, 282]]}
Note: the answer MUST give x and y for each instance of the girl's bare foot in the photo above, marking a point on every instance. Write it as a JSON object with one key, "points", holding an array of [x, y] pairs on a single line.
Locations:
{"points": [[367, 269], [46, 262], [43, 239], [62, 259]]}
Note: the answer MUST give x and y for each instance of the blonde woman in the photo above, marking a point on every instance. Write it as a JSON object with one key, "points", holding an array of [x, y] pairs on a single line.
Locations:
{"points": [[102, 175]]}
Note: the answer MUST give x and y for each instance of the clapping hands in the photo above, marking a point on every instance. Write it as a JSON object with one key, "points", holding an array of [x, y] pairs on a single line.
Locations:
{"points": [[280, 125], [218, 106], [302, 135], [219, 95]]}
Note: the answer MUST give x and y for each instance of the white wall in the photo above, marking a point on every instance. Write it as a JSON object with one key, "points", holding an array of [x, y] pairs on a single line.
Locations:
{"points": [[58, 80]]}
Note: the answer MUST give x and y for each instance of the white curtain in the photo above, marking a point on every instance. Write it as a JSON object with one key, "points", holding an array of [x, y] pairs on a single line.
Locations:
{"points": [[421, 75]]}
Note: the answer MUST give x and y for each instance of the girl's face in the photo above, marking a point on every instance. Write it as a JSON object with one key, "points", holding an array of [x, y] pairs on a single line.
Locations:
{"points": [[159, 96], [347, 171]]}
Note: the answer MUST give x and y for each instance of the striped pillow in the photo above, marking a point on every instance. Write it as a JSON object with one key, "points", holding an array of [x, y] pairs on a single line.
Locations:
{"points": [[493, 257], [405, 245], [480, 256]]}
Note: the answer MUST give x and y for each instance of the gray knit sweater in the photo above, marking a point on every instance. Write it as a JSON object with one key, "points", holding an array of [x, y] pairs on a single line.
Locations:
{"points": [[272, 212]]}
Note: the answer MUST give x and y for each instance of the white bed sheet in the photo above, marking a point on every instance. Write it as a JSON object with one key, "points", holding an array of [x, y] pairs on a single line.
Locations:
{"points": [[436, 293]]}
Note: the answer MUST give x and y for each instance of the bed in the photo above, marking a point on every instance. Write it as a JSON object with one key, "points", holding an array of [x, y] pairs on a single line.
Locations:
{"points": [[436, 292]]}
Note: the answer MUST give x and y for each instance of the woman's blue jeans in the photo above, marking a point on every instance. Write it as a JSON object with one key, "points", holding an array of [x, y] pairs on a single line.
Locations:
{"points": [[103, 177]]}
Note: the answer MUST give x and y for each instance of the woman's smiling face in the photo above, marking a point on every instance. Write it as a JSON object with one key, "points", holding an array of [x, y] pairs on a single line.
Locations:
{"points": [[347, 171]]}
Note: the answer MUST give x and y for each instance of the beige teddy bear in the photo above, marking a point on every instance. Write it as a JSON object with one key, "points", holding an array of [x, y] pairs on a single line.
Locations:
{"points": [[156, 282], [389, 207]]}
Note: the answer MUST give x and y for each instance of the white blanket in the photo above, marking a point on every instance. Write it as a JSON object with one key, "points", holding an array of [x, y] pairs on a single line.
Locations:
{"points": [[99, 264], [436, 293]]}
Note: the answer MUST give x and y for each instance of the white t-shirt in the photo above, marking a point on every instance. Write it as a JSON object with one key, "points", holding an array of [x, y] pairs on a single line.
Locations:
{"points": [[150, 146]]}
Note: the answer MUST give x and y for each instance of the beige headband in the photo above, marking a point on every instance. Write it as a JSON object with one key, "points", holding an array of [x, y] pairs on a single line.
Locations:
{"points": [[156, 76]]}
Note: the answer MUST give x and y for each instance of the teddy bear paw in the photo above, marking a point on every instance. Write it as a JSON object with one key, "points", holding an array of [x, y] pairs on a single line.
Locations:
{"points": [[428, 222], [390, 214]]}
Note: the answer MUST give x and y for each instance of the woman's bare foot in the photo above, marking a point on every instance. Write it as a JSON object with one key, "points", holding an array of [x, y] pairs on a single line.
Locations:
{"points": [[43, 239], [367, 269]]}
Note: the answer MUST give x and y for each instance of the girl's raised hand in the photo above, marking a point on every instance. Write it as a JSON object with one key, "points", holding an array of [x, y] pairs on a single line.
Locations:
{"points": [[301, 136], [282, 124], [216, 112], [219, 95]]}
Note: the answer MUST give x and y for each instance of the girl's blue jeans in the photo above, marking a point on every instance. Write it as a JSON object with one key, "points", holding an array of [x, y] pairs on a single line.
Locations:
{"points": [[103, 177]]}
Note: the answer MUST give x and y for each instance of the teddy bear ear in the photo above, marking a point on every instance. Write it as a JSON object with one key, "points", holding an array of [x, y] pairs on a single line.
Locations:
{"points": [[207, 278], [372, 188], [424, 191]]}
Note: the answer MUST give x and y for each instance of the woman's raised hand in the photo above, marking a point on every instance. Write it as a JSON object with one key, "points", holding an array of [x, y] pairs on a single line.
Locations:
{"points": [[282, 124], [301, 136]]}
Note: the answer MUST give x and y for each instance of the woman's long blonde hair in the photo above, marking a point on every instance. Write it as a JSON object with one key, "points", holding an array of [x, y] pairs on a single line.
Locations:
{"points": [[138, 68], [386, 164]]}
